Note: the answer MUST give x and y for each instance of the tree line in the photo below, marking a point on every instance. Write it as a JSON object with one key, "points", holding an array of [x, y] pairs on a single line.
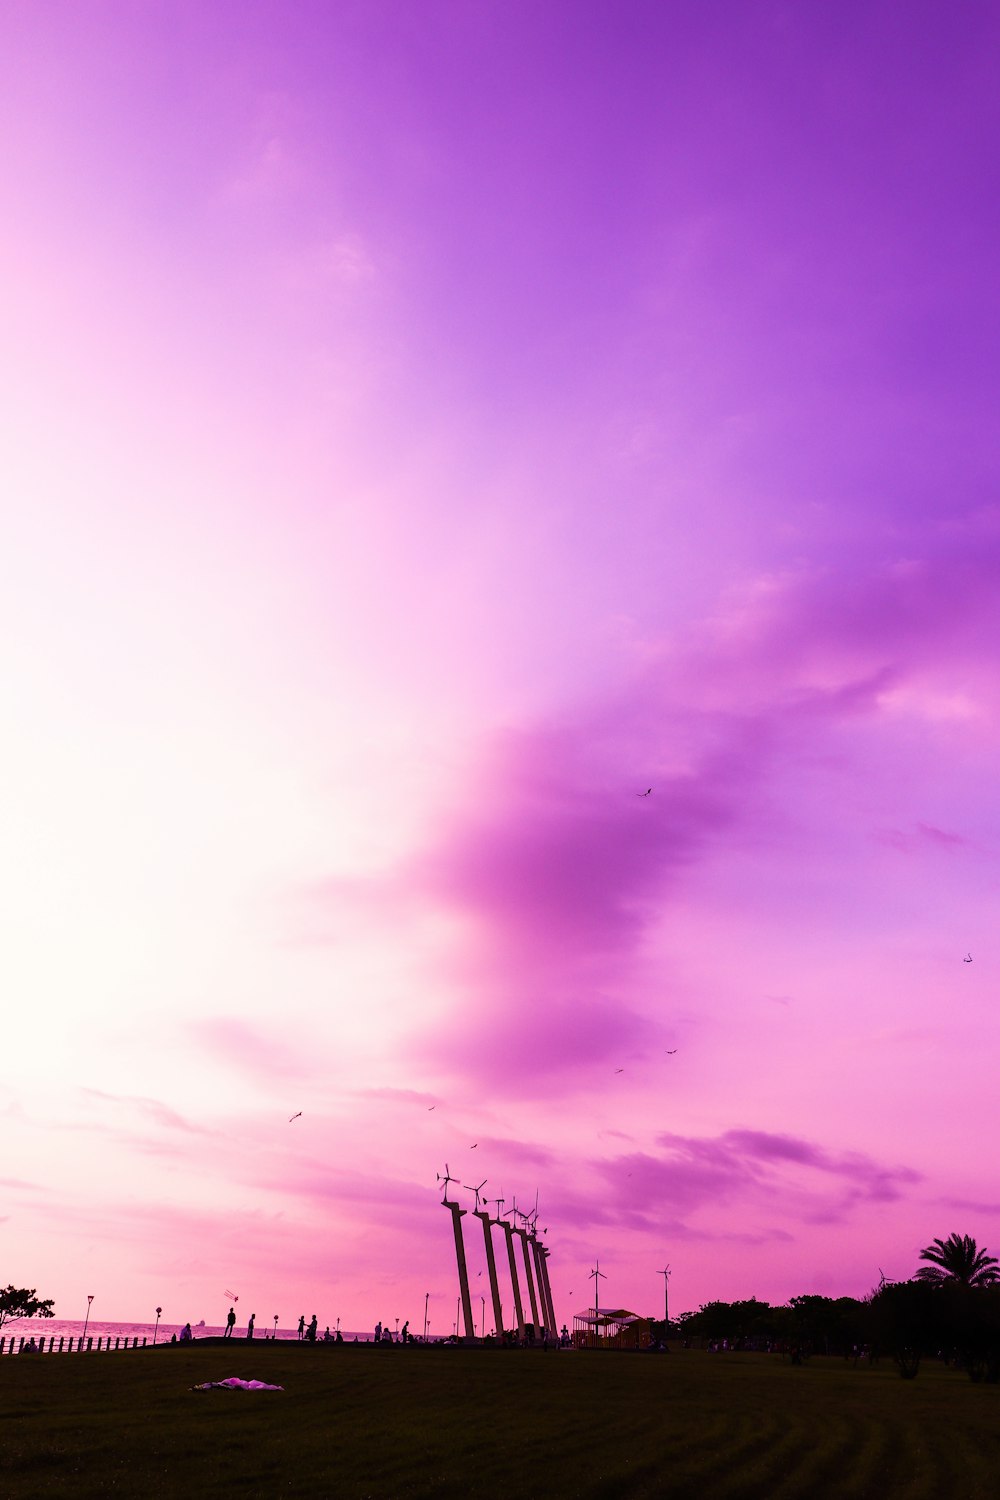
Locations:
{"points": [[949, 1308]]}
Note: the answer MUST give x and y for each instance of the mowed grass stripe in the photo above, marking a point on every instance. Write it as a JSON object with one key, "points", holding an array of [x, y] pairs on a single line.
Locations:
{"points": [[410, 1424], [748, 1460]]}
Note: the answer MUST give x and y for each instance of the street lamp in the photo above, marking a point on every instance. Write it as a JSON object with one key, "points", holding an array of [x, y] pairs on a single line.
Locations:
{"points": [[158, 1311], [275, 1333], [86, 1320]]}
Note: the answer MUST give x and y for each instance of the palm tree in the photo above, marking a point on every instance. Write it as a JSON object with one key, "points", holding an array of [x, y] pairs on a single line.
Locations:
{"points": [[958, 1259]]}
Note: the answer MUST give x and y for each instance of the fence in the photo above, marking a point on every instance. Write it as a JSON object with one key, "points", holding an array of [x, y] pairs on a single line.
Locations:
{"points": [[17, 1346]]}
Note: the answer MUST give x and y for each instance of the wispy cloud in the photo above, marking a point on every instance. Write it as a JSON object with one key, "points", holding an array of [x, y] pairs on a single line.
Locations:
{"points": [[152, 1111], [258, 1053]]}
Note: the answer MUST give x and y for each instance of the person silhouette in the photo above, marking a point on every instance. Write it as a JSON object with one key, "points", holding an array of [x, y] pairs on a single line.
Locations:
{"points": [[311, 1330], [230, 1324], [302, 1325], [250, 1326]]}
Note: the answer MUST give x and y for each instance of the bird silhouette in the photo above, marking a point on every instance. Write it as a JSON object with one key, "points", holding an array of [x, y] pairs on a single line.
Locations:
{"points": [[430, 1107], [619, 1070], [670, 1051], [295, 1117], [645, 793], [967, 959], [472, 1148]]}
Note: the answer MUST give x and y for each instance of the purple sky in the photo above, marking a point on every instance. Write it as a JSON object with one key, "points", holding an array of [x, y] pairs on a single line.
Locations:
{"points": [[424, 428]]}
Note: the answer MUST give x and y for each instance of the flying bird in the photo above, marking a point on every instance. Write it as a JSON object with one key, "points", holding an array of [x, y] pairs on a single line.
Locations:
{"points": [[645, 793], [430, 1107], [619, 1070], [967, 959], [295, 1117], [473, 1146], [670, 1051]]}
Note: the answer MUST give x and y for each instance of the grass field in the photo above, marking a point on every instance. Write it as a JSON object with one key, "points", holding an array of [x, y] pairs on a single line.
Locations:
{"points": [[364, 1421]]}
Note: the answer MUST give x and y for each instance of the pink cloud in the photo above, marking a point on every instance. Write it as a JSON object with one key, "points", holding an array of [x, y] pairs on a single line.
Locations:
{"points": [[154, 1111], [261, 1054]]}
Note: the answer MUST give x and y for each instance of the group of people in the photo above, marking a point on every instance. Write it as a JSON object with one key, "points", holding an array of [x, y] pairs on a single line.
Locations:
{"points": [[384, 1335], [308, 1332]]}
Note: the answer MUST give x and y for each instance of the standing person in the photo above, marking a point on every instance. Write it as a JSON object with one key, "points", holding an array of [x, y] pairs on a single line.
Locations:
{"points": [[186, 1334], [302, 1325], [311, 1330], [230, 1324], [378, 1333], [405, 1331], [250, 1325]]}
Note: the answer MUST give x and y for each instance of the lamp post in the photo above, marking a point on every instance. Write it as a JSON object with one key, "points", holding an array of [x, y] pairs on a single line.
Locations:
{"points": [[158, 1311], [427, 1298], [397, 1328], [275, 1333], [86, 1320]]}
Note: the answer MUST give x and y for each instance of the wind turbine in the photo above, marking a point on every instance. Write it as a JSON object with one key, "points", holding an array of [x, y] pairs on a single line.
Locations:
{"points": [[470, 1189], [595, 1273], [665, 1273], [446, 1179]]}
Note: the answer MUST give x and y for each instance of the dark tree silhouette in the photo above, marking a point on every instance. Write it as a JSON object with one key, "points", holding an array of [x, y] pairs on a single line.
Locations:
{"points": [[21, 1302], [958, 1259]]}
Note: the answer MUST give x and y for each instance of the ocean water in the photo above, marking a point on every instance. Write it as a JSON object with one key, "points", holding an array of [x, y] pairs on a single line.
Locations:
{"points": [[58, 1328]]}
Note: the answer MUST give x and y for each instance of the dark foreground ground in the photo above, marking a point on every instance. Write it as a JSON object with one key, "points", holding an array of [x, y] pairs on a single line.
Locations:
{"points": [[362, 1421]]}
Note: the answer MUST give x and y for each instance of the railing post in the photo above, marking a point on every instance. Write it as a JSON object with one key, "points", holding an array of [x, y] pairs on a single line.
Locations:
{"points": [[144, 1343], [90, 1343], [60, 1344]]}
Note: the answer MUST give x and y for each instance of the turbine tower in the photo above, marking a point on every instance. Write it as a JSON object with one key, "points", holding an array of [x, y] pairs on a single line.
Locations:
{"points": [[457, 1214]]}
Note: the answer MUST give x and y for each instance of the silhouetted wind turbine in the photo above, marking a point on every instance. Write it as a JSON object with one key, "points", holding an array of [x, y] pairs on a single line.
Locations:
{"points": [[446, 1179], [665, 1273], [595, 1273], [470, 1189]]}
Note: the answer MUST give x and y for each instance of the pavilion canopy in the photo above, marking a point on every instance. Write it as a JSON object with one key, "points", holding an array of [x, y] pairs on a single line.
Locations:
{"points": [[607, 1315]]}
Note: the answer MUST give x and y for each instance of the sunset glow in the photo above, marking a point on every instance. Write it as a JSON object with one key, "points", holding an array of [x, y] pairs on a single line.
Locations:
{"points": [[424, 429]]}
